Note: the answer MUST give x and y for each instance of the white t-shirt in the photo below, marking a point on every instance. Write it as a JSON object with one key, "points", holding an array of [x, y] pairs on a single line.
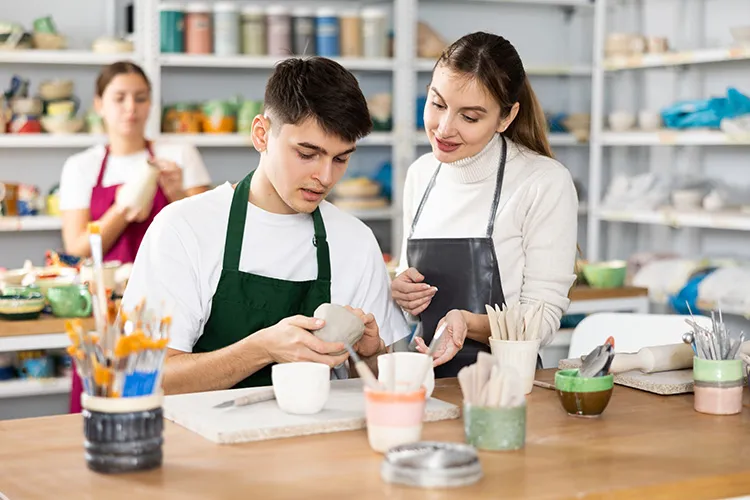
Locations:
{"points": [[81, 171], [536, 224], [181, 257]]}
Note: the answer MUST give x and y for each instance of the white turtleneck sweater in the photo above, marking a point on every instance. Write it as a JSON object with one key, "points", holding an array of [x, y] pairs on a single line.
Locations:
{"points": [[536, 225]]}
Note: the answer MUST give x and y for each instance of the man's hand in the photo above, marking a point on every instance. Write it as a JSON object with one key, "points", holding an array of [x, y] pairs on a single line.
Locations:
{"points": [[290, 340], [370, 343]]}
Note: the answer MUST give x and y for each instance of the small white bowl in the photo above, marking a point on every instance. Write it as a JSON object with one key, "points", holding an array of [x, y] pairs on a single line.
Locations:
{"points": [[407, 366], [301, 388], [741, 34], [649, 120], [620, 121], [687, 199]]}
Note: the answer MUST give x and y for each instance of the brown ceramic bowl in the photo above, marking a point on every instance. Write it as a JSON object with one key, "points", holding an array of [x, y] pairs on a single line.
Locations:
{"points": [[583, 396]]}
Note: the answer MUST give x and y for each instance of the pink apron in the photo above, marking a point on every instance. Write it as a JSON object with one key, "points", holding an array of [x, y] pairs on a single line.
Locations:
{"points": [[124, 249]]}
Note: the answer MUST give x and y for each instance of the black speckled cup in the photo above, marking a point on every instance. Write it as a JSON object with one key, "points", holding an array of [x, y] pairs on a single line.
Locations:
{"points": [[123, 434]]}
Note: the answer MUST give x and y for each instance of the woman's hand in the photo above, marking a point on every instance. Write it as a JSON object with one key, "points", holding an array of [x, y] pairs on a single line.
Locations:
{"points": [[452, 340], [170, 179], [369, 344], [133, 214], [410, 293]]}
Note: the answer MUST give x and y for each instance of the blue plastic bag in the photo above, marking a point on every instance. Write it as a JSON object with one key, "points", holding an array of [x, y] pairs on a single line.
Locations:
{"points": [[706, 113]]}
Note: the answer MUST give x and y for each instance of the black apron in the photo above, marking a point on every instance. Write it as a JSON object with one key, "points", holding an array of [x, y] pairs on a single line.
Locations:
{"points": [[464, 270]]}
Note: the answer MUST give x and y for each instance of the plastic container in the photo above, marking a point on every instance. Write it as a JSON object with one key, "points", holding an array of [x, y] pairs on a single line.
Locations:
{"points": [[253, 31], [327, 32], [171, 28], [495, 429], [279, 31], [198, 31], [374, 32], [350, 30], [123, 434], [303, 31], [226, 29], [717, 386]]}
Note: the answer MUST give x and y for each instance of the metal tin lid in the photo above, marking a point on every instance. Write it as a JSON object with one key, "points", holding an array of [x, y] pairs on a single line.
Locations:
{"points": [[171, 7], [277, 10], [226, 7], [373, 13], [253, 10], [303, 12], [325, 12], [198, 7], [431, 464]]}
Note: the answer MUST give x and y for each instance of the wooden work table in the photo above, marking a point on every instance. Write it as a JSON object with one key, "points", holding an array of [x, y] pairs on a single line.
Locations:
{"points": [[644, 446]]}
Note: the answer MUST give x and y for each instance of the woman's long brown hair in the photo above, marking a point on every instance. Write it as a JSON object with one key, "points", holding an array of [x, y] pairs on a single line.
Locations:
{"points": [[495, 63]]}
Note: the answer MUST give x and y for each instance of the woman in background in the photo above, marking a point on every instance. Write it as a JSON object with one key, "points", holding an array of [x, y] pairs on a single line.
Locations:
{"points": [[90, 179], [489, 216]]}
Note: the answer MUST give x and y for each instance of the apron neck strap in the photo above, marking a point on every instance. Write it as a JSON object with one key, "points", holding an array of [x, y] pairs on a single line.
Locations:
{"points": [[236, 232], [495, 198], [498, 188], [149, 149]]}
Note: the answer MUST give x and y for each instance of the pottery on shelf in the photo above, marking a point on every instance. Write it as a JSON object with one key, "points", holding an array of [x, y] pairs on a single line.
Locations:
{"points": [[620, 121]]}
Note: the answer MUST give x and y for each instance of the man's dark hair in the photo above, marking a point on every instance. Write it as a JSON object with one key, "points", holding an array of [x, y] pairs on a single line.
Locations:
{"points": [[320, 89]]}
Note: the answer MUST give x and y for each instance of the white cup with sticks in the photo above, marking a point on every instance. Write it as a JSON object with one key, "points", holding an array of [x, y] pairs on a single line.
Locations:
{"points": [[516, 337]]}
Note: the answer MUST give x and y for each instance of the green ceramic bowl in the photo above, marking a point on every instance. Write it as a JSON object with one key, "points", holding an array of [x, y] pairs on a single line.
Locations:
{"points": [[583, 396], [495, 429], [19, 306], [608, 274]]}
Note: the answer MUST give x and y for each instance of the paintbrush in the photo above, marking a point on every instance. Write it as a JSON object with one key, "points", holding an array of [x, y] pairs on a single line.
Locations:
{"points": [[430, 351], [364, 371]]}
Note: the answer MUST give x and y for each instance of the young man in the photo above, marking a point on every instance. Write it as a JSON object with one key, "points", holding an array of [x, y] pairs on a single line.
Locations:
{"points": [[246, 265]]}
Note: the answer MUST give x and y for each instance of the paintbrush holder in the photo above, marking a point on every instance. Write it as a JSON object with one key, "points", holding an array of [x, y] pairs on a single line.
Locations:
{"points": [[520, 355], [495, 428], [717, 386], [123, 434]]}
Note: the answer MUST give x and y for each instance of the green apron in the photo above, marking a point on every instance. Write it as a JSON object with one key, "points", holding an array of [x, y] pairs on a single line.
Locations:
{"points": [[245, 303]]}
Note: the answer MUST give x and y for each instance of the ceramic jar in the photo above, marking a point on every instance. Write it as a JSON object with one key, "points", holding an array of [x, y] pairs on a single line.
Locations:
{"points": [[253, 31], [226, 29], [279, 31], [717, 386], [171, 27], [350, 30], [327, 29], [198, 32], [303, 32]]}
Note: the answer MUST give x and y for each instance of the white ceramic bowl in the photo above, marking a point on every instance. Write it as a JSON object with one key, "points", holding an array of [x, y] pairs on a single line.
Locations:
{"points": [[301, 388], [741, 34], [649, 120], [687, 199], [407, 366], [620, 121]]}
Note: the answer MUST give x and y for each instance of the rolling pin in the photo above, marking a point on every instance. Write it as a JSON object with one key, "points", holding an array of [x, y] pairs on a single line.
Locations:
{"points": [[660, 358]]}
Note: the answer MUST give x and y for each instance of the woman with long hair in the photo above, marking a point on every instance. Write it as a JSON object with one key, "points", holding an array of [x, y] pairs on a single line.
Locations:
{"points": [[489, 216]]}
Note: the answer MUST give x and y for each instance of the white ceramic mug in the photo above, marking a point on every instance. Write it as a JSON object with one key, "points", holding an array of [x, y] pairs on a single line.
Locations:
{"points": [[301, 388], [520, 355], [406, 369]]}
